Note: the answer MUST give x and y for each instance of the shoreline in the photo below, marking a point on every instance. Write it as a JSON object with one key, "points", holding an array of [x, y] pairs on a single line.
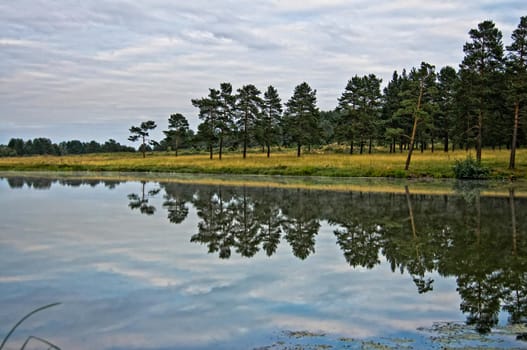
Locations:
{"points": [[419, 186]]}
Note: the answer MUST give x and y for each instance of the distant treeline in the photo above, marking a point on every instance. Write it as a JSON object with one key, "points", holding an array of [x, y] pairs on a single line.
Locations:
{"points": [[44, 146]]}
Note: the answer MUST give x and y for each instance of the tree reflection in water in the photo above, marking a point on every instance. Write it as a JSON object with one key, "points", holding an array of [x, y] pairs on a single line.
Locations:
{"points": [[141, 201], [478, 240], [463, 236]]}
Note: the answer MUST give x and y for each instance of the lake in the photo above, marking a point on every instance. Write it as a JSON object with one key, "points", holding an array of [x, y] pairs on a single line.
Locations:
{"points": [[167, 264]]}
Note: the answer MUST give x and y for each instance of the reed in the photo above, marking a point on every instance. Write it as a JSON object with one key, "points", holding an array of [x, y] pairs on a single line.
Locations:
{"points": [[50, 345]]}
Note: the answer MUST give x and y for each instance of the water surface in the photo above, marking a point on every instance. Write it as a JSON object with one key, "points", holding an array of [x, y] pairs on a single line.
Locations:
{"points": [[168, 265]]}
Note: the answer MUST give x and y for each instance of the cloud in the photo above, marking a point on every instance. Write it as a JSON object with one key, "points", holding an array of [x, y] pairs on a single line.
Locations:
{"points": [[113, 64]]}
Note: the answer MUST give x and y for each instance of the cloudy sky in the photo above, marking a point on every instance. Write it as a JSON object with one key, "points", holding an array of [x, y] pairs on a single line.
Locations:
{"points": [[87, 70]]}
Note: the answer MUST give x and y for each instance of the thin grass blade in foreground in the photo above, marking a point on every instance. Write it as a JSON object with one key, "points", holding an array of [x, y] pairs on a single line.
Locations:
{"points": [[23, 319], [51, 345]]}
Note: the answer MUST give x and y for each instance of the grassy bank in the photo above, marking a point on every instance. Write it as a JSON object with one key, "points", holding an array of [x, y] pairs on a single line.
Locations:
{"points": [[437, 165]]}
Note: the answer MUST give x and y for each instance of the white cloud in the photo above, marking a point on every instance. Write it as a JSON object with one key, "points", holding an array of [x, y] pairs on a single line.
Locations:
{"points": [[66, 62], [149, 47], [20, 43]]}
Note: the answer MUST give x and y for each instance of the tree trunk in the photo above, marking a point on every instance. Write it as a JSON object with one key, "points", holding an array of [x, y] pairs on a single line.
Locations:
{"points": [[446, 143], [478, 209], [143, 148], [432, 145], [221, 146], [351, 146], [177, 146], [414, 129], [410, 211], [298, 150], [513, 219], [212, 128], [512, 160], [361, 146], [369, 146], [268, 150], [479, 138], [467, 140], [245, 136]]}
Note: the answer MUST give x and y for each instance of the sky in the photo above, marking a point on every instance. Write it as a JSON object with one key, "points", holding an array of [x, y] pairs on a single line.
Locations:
{"points": [[89, 70]]}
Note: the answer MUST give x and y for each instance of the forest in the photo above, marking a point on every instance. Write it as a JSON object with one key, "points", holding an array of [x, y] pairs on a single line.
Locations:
{"points": [[479, 105]]}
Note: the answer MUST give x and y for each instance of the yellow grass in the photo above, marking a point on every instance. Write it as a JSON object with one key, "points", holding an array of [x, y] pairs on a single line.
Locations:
{"points": [[438, 164]]}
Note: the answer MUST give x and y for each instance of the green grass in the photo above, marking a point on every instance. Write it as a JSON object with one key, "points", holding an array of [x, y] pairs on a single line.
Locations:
{"points": [[436, 165]]}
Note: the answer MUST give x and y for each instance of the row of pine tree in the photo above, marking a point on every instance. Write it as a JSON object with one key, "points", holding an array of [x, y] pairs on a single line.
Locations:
{"points": [[478, 105]]}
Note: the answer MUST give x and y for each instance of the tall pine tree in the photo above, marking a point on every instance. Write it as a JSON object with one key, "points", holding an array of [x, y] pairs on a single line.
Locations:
{"points": [[422, 84], [177, 129], [270, 119], [301, 117], [517, 78], [448, 84], [226, 111], [208, 113], [391, 123], [480, 70], [248, 106]]}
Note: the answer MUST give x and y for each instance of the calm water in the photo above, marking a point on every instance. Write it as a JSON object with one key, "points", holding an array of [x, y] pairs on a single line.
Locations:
{"points": [[148, 265]]}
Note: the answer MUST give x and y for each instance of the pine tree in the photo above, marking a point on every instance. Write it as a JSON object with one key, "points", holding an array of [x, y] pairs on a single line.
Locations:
{"points": [[271, 119], [448, 84], [360, 106], [517, 79], [248, 104], [391, 123], [421, 88], [480, 71], [142, 133], [301, 117], [208, 112], [177, 129], [225, 125], [348, 105]]}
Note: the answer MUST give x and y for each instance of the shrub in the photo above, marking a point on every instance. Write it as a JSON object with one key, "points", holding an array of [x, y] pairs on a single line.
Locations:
{"points": [[470, 169], [7, 151]]}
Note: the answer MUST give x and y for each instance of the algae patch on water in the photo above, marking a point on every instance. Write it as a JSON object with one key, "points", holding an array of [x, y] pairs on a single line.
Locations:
{"points": [[456, 335], [441, 335]]}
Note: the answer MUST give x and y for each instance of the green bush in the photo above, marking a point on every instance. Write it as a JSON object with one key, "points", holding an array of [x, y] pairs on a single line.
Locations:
{"points": [[470, 169], [7, 151]]}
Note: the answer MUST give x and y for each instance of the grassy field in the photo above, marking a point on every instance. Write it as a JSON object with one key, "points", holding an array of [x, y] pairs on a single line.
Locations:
{"points": [[437, 165]]}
